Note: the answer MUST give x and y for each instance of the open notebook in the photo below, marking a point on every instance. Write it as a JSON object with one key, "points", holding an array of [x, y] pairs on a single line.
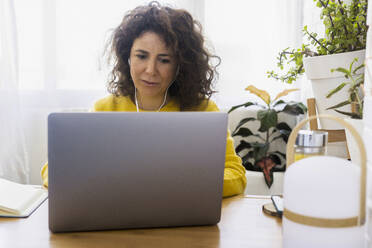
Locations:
{"points": [[19, 200]]}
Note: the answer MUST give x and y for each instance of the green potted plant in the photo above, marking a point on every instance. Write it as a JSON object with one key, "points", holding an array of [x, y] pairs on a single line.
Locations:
{"points": [[345, 39], [254, 148], [354, 84], [355, 91]]}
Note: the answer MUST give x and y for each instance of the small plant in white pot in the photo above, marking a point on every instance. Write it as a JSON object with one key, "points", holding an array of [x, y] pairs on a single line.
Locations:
{"points": [[254, 147], [345, 38], [353, 88]]}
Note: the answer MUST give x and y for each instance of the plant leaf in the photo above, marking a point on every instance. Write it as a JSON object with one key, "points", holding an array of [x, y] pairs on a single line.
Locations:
{"points": [[268, 119], [275, 158], [284, 131], [352, 115], [352, 63], [360, 79], [278, 103], [339, 105], [267, 165], [243, 145], [295, 108], [358, 68], [243, 132], [280, 153], [337, 89], [248, 165], [246, 157], [284, 134], [283, 126], [284, 93], [342, 70], [243, 121], [260, 93], [247, 104]]}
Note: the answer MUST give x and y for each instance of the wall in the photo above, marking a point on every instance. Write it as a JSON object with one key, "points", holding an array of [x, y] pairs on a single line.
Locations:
{"points": [[367, 115]]}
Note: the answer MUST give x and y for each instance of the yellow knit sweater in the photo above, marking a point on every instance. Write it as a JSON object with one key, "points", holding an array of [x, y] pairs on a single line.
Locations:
{"points": [[234, 174]]}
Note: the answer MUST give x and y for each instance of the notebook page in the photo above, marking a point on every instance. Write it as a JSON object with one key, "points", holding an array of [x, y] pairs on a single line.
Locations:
{"points": [[15, 197]]}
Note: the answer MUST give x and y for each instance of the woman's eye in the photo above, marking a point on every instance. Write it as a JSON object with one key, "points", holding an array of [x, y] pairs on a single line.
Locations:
{"points": [[165, 61], [141, 56]]}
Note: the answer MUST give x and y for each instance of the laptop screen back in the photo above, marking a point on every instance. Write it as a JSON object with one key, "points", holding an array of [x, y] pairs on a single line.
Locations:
{"points": [[114, 170]]}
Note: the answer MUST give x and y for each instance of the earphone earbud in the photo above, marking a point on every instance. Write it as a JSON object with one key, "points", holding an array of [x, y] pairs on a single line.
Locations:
{"points": [[128, 61]]}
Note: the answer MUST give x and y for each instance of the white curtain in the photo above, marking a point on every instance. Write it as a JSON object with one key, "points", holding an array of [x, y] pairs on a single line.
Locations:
{"points": [[13, 156]]}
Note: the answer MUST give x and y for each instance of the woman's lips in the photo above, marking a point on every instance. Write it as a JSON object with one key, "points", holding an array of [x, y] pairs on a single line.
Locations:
{"points": [[150, 83]]}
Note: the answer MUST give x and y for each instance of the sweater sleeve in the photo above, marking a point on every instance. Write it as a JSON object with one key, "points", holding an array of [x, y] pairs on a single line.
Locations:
{"points": [[234, 175], [44, 175]]}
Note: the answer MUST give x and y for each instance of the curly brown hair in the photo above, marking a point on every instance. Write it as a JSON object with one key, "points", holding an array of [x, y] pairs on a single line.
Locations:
{"points": [[183, 35]]}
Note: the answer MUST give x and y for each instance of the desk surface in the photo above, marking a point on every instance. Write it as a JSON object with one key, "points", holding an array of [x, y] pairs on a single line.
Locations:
{"points": [[243, 224]]}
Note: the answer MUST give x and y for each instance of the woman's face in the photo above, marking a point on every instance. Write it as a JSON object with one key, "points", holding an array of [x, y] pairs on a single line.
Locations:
{"points": [[152, 65]]}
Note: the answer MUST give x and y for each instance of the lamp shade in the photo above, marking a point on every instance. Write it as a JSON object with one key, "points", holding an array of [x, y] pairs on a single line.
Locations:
{"points": [[324, 198]]}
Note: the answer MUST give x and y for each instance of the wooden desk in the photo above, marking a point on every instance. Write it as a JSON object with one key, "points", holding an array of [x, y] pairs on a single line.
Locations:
{"points": [[242, 225]]}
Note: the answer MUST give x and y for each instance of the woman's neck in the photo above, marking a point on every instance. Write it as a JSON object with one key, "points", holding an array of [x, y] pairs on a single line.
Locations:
{"points": [[151, 104]]}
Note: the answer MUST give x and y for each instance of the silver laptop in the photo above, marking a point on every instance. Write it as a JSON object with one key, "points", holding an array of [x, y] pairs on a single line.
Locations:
{"points": [[116, 170]]}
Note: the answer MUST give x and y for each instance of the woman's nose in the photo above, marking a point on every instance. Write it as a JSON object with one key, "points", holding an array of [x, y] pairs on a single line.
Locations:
{"points": [[151, 67]]}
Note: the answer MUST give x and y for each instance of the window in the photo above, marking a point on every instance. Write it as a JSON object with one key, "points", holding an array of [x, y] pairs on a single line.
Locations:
{"points": [[61, 42]]}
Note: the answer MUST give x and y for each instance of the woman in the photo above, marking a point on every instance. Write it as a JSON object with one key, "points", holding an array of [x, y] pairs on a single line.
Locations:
{"points": [[160, 64]]}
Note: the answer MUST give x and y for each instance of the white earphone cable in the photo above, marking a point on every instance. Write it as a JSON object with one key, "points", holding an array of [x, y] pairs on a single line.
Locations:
{"points": [[165, 98]]}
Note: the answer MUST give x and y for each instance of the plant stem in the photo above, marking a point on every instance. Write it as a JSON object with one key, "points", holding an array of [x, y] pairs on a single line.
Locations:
{"points": [[345, 17], [267, 140], [281, 55], [359, 30], [300, 68], [310, 53], [320, 44], [329, 16], [306, 52], [356, 93]]}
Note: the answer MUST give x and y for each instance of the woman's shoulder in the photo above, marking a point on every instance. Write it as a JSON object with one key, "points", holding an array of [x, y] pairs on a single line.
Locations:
{"points": [[113, 103], [207, 105]]}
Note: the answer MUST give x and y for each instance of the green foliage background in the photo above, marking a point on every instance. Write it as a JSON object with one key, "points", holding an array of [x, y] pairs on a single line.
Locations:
{"points": [[345, 29]]}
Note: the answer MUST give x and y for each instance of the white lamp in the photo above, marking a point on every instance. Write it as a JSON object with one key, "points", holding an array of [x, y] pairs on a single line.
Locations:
{"points": [[324, 198]]}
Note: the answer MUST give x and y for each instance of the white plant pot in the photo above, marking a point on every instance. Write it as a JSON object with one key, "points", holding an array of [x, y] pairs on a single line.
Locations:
{"points": [[351, 144], [318, 71], [256, 184]]}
